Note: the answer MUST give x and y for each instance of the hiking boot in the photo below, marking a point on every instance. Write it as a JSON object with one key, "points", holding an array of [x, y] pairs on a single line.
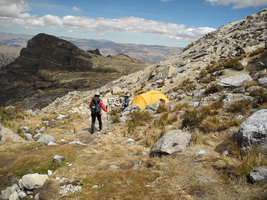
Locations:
{"points": [[92, 129]]}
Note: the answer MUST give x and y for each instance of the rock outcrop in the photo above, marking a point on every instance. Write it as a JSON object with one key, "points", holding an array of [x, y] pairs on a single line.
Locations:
{"points": [[253, 131], [170, 142]]}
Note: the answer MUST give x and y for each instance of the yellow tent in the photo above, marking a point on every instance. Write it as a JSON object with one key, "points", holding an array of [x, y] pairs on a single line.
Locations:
{"points": [[149, 97]]}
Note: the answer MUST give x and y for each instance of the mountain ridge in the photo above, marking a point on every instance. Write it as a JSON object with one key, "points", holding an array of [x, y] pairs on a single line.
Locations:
{"points": [[11, 44]]}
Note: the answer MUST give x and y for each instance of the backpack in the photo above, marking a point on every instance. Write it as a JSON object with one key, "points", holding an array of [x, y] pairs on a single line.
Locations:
{"points": [[95, 109]]}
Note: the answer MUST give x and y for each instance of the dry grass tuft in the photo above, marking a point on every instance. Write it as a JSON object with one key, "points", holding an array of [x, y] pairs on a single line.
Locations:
{"points": [[186, 85], [181, 106], [213, 89], [138, 118], [162, 108], [239, 106], [216, 123], [260, 94]]}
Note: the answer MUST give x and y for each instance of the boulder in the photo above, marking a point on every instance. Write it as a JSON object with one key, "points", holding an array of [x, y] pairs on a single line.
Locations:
{"points": [[250, 89], [258, 175], [25, 129], [239, 90], [130, 109], [253, 131], [236, 97], [45, 138], [32, 181], [58, 158], [10, 192], [235, 81], [8, 134], [172, 141], [263, 81]]}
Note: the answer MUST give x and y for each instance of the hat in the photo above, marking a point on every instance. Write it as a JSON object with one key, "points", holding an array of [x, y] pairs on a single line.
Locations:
{"points": [[127, 95], [97, 94]]}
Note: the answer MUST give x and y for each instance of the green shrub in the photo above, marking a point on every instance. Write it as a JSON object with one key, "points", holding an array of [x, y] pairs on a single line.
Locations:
{"points": [[7, 114], [192, 119], [115, 118]]}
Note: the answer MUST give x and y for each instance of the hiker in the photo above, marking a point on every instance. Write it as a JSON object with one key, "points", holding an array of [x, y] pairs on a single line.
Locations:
{"points": [[96, 105], [126, 101]]}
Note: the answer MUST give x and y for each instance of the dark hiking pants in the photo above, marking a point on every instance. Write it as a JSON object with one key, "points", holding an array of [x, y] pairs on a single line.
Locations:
{"points": [[94, 116]]}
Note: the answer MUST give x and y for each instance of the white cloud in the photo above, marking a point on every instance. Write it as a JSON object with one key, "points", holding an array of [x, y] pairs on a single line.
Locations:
{"points": [[14, 8], [239, 3], [74, 8], [99, 26]]}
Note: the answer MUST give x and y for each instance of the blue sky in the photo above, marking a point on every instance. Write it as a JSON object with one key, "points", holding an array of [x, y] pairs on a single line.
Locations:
{"points": [[159, 22]]}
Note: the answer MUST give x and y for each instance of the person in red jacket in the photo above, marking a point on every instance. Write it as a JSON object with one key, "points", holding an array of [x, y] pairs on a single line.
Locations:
{"points": [[96, 105]]}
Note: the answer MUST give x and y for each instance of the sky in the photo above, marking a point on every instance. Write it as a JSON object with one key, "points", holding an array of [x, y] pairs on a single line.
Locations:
{"points": [[174, 23]]}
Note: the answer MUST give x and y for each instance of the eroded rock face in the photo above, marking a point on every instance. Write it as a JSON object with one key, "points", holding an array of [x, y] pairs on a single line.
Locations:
{"points": [[253, 131], [235, 81]]}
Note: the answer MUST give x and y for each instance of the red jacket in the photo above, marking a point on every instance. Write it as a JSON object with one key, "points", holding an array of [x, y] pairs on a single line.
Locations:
{"points": [[101, 105]]}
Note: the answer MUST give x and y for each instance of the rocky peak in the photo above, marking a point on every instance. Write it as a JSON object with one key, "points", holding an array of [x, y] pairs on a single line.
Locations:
{"points": [[50, 67], [47, 51]]}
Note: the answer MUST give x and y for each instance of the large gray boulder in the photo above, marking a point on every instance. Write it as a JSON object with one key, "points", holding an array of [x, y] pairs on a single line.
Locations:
{"points": [[32, 181], [235, 80], [170, 142], [253, 131]]}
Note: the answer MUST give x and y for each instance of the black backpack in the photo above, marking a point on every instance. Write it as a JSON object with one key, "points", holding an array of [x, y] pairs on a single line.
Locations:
{"points": [[96, 105]]}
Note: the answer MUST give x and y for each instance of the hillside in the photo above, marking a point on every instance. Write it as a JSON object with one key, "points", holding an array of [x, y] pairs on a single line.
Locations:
{"points": [[50, 67], [208, 142]]}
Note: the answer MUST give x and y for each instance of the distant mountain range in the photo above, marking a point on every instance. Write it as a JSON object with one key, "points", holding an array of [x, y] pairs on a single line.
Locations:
{"points": [[11, 44]]}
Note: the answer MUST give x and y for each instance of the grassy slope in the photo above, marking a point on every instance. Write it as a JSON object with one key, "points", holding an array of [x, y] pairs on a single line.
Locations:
{"points": [[179, 176]]}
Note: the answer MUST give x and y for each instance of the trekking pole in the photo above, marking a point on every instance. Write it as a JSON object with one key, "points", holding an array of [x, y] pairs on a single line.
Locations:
{"points": [[107, 112]]}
